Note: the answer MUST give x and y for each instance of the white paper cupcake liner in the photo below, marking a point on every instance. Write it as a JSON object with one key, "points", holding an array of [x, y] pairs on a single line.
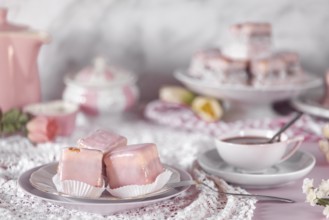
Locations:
{"points": [[77, 188], [131, 191]]}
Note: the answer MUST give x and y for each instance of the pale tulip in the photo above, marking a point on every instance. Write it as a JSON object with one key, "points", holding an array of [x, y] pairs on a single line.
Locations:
{"points": [[41, 129]]}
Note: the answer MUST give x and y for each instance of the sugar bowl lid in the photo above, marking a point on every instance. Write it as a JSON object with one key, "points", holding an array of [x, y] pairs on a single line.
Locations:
{"points": [[100, 75]]}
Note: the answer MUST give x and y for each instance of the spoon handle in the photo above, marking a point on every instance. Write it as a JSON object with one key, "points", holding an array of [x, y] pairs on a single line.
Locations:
{"points": [[263, 197], [259, 197], [298, 115]]}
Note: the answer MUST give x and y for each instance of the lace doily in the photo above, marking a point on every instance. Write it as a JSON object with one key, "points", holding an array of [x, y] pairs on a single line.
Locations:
{"points": [[183, 118], [175, 147]]}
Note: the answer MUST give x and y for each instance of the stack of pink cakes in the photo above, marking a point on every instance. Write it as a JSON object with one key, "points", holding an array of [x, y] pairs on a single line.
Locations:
{"points": [[104, 159], [248, 60]]}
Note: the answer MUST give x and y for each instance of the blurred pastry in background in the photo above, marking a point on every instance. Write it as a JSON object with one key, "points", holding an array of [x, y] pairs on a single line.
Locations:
{"points": [[279, 69], [248, 60], [267, 71], [199, 64], [252, 32], [216, 66], [276, 70], [250, 40], [291, 61], [229, 71]]}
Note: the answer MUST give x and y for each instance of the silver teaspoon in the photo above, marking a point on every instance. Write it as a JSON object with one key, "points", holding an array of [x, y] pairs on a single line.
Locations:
{"points": [[286, 126], [257, 196]]}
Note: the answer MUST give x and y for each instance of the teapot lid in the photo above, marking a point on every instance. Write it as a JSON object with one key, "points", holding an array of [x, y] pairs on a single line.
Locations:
{"points": [[9, 28], [6, 26], [100, 74]]}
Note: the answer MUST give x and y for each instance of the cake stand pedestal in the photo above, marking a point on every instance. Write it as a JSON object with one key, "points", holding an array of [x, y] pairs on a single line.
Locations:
{"points": [[236, 110]]}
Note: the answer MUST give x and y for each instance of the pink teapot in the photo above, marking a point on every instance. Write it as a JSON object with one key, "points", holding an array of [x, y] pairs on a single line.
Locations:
{"points": [[19, 78]]}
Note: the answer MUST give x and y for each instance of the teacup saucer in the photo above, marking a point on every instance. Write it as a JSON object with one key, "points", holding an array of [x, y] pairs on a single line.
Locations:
{"points": [[297, 166]]}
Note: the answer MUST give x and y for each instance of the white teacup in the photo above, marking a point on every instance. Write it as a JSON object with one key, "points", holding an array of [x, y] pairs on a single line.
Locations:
{"points": [[255, 157]]}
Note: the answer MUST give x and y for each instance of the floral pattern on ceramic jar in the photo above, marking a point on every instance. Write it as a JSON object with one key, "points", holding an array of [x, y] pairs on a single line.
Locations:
{"points": [[101, 89]]}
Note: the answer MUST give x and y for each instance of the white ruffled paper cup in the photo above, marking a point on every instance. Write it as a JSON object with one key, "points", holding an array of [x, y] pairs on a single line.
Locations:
{"points": [[77, 188], [131, 191]]}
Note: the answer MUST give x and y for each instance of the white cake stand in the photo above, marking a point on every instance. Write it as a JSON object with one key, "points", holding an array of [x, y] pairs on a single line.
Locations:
{"points": [[246, 101]]}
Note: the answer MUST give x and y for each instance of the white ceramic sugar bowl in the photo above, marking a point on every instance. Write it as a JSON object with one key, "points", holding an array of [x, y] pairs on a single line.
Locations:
{"points": [[101, 89]]}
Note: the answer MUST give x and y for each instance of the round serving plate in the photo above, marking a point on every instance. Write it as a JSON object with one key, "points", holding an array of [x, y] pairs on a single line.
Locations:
{"points": [[103, 207], [310, 103], [42, 179]]}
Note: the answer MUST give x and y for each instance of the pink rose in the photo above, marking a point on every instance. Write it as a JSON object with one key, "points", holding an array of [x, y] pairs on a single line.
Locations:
{"points": [[41, 129]]}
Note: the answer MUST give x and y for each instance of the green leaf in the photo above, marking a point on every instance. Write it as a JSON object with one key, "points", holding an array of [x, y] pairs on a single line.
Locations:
{"points": [[24, 130], [13, 121], [9, 128], [18, 126], [10, 116], [23, 118]]}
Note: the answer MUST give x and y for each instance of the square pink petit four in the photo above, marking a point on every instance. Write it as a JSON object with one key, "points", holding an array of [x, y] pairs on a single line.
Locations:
{"points": [[227, 70], [137, 164], [84, 165], [256, 38], [252, 30], [199, 63], [102, 140]]}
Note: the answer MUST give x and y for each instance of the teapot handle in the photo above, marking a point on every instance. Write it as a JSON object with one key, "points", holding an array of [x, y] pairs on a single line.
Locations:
{"points": [[297, 142]]}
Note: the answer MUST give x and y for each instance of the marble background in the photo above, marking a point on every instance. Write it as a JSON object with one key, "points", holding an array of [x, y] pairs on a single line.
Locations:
{"points": [[155, 37]]}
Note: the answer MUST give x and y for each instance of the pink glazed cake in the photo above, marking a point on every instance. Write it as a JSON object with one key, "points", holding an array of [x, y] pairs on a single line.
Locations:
{"points": [[84, 165], [102, 140], [133, 165]]}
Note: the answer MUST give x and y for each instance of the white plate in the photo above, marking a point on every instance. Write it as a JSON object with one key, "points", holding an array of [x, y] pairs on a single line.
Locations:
{"points": [[297, 166], [103, 207], [41, 179], [309, 103], [247, 93]]}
